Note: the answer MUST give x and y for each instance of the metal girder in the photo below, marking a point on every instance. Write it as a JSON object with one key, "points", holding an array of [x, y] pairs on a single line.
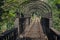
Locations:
{"points": [[30, 6]]}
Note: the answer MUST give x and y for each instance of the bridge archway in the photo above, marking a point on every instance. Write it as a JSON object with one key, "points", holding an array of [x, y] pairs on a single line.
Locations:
{"points": [[42, 9]]}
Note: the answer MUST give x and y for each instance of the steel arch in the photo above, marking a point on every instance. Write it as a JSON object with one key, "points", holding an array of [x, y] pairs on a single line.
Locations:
{"points": [[28, 6]]}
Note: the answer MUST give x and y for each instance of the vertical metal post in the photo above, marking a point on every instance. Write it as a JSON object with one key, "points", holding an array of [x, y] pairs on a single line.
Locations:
{"points": [[58, 37]]}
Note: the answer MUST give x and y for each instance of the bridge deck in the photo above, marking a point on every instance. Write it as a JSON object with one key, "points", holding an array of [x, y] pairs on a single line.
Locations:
{"points": [[34, 30]]}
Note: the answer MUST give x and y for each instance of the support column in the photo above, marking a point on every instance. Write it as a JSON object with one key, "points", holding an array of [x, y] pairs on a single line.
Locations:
{"points": [[50, 22], [16, 24], [21, 24], [29, 20]]}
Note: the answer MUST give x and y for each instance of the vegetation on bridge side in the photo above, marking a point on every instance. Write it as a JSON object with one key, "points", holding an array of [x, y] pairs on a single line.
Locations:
{"points": [[9, 7], [56, 13], [8, 16]]}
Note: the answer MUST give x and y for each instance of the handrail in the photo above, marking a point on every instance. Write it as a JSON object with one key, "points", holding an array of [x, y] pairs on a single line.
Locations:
{"points": [[53, 34], [55, 31], [9, 34]]}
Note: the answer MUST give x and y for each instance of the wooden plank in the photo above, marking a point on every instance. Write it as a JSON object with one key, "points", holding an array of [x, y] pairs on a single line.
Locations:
{"points": [[55, 31]]}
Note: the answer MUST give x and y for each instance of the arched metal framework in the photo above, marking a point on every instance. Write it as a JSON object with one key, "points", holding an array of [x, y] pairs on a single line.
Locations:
{"points": [[43, 9], [36, 6]]}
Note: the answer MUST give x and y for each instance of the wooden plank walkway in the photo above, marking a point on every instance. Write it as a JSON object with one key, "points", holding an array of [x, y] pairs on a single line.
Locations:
{"points": [[34, 31]]}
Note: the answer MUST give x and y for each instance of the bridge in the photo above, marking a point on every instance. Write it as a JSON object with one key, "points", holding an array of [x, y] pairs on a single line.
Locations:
{"points": [[33, 22], [34, 31]]}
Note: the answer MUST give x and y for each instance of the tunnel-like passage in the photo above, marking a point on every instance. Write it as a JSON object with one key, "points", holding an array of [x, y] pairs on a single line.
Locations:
{"points": [[39, 8]]}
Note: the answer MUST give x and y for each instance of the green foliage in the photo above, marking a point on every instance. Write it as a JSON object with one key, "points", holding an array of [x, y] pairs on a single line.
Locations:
{"points": [[57, 1], [7, 13], [56, 13], [9, 7]]}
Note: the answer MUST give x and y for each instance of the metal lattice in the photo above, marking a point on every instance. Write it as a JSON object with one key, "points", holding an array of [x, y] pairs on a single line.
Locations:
{"points": [[42, 8]]}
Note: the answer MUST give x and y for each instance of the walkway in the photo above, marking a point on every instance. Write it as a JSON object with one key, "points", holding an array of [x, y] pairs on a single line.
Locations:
{"points": [[34, 30]]}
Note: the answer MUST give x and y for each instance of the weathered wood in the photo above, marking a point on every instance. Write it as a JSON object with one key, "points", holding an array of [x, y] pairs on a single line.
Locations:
{"points": [[55, 33], [9, 35], [34, 31], [23, 23]]}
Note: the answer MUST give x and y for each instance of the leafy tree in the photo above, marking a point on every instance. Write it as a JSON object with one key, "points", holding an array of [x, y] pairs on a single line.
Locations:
{"points": [[1, 11], [7, 13], [56, 13]]}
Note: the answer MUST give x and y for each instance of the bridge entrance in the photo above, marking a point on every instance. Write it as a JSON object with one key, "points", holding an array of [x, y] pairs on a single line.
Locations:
{"points": [[36, 20]]}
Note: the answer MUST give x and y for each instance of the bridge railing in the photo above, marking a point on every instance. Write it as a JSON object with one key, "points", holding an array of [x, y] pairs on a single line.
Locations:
{"points": [[53, 34], [9, 35]]}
